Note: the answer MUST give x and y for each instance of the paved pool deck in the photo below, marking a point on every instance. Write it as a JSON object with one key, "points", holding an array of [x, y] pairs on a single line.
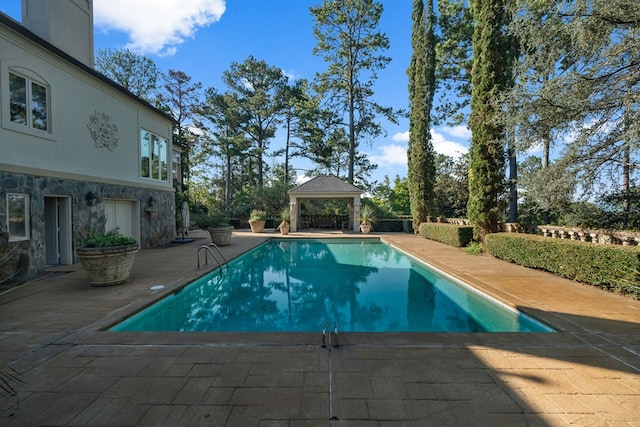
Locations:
{"points": [[73, 372]]}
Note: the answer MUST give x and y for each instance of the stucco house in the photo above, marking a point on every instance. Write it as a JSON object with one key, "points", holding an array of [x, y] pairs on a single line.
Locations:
{"points": [[77, 151]]}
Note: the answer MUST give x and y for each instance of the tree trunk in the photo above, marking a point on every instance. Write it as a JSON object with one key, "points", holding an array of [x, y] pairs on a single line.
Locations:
{"points": [[513, 177], [352, 131], [227, 189]]}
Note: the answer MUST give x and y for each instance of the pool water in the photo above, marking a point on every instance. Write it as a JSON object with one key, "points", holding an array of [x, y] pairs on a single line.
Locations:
{"points": [[301, 284]]}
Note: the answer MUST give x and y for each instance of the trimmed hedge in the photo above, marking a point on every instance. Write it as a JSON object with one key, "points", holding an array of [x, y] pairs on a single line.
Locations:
{"points": [[453, 235], [393, 225], [606, 266]]}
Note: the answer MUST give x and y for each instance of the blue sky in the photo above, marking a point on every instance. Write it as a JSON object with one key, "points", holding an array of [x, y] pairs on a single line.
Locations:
{"points": [[203, 37]]}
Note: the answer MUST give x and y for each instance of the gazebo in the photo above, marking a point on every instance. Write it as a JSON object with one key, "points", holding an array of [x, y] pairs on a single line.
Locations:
{"points": [[325, 187]]}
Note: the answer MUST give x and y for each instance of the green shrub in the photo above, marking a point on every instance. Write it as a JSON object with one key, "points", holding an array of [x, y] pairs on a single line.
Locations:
{"points": [[454, 235], [257, 215], [108, 239], [606, 266], [213, 219], [474, 248], [394, 225]]}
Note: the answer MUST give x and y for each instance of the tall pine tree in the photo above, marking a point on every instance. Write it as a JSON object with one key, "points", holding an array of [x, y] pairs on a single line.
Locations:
{"points": [[422, 85], [351, 43], [488, 79]]}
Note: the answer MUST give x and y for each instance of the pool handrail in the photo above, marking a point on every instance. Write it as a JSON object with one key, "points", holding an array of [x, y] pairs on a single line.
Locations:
{"points": [[208, 250]]}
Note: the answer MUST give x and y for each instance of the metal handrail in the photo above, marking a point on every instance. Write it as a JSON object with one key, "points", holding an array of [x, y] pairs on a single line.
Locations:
{"points": [[333, 336], [324, 334], [208, 250], [222, 256], [206, 259]]}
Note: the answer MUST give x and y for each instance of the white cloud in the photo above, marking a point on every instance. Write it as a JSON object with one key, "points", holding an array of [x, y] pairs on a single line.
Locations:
{"points": [[301, 179], [157, 26], [401, 137], [445, 146], [290, 75], [459, 131], [392, 153], [390, 156]]}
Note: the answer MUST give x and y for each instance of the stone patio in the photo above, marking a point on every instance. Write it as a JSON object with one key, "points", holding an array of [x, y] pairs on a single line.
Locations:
{"points": [[76, 373]]}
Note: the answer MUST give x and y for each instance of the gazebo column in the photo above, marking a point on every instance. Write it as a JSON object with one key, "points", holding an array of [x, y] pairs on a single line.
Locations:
{"points": [[356, 213], [293, 213]]}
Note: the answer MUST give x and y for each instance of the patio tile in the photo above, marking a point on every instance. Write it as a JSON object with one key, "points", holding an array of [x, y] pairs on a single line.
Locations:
{"points": [[159, 390], [205, 416], [219, 396], [77, 374], [163, 415], [283, 403], [193, 392]]}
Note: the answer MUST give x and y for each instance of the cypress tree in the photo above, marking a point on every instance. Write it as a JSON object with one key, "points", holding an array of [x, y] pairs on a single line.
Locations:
{"points": [[422, 82], [488, 78]]}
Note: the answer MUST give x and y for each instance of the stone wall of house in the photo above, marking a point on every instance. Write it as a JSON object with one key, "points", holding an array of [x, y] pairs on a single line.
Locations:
{"points": [[157, 214]]}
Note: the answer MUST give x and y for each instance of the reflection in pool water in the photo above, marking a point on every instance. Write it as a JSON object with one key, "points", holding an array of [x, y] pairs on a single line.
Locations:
{"points": [[300, 284]]}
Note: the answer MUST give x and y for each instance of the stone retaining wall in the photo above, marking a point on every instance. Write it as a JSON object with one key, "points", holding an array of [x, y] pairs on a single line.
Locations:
{"points": [[157, 213], [604, 237]]}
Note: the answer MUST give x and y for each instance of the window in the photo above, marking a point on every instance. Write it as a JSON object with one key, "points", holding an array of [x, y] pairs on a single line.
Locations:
{"points": [[28, 102], [154, 156], [18, 216], [177, 169]]}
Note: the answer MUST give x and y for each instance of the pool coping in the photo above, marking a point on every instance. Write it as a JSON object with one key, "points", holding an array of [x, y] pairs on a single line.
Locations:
{"points": [[565, 331]]}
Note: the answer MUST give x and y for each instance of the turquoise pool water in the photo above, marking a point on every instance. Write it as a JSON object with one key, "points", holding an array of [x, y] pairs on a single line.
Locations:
{"points": [[301, 284]]}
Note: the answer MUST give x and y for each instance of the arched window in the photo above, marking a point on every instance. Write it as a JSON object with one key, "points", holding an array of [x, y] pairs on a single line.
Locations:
{"points": [[28, 101]]}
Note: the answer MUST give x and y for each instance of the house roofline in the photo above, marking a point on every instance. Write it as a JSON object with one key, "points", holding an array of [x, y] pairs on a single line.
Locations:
{"points": [[18, 28]]}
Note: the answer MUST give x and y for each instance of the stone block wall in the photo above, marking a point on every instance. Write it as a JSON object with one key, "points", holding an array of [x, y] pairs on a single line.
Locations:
{"points": [[157, 214]]}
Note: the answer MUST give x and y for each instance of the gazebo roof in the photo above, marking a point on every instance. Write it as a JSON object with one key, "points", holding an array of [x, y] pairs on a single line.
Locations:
{"points": [[325, 184]]}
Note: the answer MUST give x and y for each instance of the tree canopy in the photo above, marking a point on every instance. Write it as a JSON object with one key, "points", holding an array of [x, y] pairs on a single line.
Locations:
{"points": [[350, 42], [571, 98], [136, 73], [256, 89]]}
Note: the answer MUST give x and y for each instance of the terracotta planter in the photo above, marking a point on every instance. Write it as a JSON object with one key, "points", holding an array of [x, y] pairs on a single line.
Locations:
{"points": [[284, 228], [257, 226], [365, 228], [108, 266], [221, 236]]}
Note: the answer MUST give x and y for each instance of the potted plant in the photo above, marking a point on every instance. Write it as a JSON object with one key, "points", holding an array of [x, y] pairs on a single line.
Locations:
{"points": [[284, 226], [257, 220], [107, 257], [218, 226], [367, 218]]}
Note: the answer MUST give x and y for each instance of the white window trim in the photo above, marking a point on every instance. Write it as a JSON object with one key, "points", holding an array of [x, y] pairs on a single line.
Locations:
{"points": [[18, 69], [27, 217], [176, 164], [168, 157]]}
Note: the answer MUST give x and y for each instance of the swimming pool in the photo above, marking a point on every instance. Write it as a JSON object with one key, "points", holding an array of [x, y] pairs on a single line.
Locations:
{"points": [[298, 285]]}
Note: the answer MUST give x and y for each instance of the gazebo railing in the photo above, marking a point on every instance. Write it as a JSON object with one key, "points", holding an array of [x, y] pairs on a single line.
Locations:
{"points": [[324, 221]]}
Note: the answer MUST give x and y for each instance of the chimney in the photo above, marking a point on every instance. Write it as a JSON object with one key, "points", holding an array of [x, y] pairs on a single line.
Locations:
{"points": [[66, 24]]}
